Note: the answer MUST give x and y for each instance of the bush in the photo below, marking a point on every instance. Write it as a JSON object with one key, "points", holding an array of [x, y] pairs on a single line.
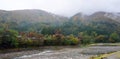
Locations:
{"points": [[100, 39], [87, 40], [60, 40], [25, 42], [70, 40], [66, 41], [49, 40]]}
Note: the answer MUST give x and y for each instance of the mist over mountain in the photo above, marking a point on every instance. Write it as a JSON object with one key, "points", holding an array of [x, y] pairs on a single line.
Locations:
{"points": [[35, 20], [30, 15], [63, 7], [105, 21], [44, 16]]}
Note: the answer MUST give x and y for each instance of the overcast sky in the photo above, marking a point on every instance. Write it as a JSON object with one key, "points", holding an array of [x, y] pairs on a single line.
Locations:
{"points": [[63, 7]]}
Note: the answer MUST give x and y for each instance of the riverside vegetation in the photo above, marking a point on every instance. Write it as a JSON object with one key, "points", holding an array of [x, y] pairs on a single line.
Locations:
{"points": [[13, 39]]}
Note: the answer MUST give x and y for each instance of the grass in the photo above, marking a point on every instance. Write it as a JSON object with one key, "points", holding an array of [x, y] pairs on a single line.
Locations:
{"points": [[118, 55], [106, 44], [106, 55], [99, 57]]}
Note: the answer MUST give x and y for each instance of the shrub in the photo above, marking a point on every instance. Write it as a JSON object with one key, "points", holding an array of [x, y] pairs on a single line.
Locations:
{"points": [[25, 42], [87, 40], [66, 41], [100, 38], [49, 40], [70, 40]]}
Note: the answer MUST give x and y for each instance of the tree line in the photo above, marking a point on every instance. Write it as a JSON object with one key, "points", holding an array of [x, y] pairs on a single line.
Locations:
{"points": [[14, 39]]}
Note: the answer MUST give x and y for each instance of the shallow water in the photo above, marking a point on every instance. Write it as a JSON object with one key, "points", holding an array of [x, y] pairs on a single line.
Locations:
{"points": [[65, 53]]}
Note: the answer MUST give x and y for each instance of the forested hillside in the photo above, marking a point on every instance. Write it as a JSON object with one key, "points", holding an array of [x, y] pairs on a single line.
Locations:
{"points": [[37, 27], [26, 20]]}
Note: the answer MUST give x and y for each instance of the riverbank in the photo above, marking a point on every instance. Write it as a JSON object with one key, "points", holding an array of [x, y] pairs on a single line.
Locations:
{"points": [[109, 55], [39, 48], [114, 55]]}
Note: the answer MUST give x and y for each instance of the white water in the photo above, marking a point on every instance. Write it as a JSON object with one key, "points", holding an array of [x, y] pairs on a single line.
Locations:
{"points": [[41, 53]]}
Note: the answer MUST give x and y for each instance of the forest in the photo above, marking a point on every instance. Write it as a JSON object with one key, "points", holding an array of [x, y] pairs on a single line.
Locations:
{"points": [[76, 30]]}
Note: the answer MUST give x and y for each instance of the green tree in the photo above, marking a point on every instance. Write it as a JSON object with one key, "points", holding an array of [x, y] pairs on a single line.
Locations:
{"points": [[8, 38], [85, 38], [100, 38], [70, 40], [114, 37]]}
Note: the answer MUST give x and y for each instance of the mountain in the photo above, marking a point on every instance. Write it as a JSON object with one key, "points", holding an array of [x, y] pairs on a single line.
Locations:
{"points": [[30, 15], [98, 15], [29, 19], [39, 20], [100, 21]]}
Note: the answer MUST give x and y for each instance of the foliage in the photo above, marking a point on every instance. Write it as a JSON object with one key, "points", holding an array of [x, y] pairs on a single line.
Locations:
{"points": [[61, 40], [8, 38], [49, 40], [55, 30], [85, 38], [71, 40], [30, 39], [100, 38], [114, 37]]}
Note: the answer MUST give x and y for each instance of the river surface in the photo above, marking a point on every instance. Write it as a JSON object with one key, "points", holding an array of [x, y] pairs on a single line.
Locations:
{"points": [[64, 53]]}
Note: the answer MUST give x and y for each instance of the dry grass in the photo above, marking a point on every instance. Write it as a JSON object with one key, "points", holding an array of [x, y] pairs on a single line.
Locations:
{"points": [[118, 55], [105, 55], [106, 44]]}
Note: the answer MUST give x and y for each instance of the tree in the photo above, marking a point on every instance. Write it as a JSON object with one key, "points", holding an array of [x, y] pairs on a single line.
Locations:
{"points": [[73, 39], [70, 40], [114, 37], [100, 38], [85, 38], [8, 38]]}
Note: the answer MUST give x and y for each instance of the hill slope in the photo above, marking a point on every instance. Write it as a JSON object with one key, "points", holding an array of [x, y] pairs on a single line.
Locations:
{"points": [[30, 15], [26, 19], [36, 20], [103, 22]]}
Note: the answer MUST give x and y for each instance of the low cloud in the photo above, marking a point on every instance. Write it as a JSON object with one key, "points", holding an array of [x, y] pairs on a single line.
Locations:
{"points": [[63, 7]]}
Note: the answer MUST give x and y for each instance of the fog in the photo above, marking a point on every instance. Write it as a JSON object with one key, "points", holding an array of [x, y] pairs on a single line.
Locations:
{"points": [[63, 7]]}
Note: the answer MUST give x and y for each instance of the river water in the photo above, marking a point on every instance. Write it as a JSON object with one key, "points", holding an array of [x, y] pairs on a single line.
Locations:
{"points": [[65, 53]]}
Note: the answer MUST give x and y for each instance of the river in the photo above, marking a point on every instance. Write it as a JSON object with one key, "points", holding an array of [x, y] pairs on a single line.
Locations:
{"points": [[64, 53]]}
